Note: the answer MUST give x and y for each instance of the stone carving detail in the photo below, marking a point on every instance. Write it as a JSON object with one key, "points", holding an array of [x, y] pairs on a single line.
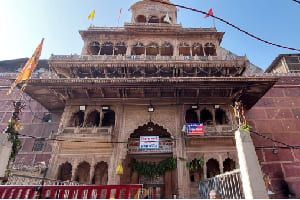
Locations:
{"points": [[150, 129]]}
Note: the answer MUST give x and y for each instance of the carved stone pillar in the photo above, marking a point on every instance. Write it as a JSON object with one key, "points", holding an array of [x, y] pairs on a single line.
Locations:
{"points": [[128, 50], [74, 167], [179, 151], [168, 185], [92, 170], [252, 178]]}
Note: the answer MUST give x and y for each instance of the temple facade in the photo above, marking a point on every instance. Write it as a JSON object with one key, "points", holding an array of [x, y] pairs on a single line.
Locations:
{"points": [[149, 78]]}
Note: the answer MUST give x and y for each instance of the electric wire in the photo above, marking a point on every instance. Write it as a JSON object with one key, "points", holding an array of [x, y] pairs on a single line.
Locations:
{"points": [[230, 24], [276, 141], [296, 1], [79, 141]]}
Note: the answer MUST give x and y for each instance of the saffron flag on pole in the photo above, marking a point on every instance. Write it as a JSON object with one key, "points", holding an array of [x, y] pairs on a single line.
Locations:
{"points": [[91, 16], [195, 129], [210, 13], [29, 67]]}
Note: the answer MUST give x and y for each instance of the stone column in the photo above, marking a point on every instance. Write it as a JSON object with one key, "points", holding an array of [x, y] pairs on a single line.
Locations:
{"points": [[179, 151], [168, 184], [252, 178]]}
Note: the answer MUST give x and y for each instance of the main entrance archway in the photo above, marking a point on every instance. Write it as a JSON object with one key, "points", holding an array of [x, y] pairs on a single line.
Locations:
{"points": [[157, 185]]}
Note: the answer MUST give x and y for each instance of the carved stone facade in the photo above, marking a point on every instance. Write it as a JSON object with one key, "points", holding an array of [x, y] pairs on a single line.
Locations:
{"points": [[106, 93]]}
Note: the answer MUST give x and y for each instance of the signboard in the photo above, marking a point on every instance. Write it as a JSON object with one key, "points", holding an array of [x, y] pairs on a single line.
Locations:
{"points": [[149, 142], [164, 146], [195, 129]]}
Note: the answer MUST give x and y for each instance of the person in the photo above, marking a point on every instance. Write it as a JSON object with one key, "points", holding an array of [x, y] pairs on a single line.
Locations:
{"points": [[214, 194]]}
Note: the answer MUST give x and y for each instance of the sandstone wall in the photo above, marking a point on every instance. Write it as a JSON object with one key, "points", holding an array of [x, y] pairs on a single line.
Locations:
{"points": [[277, 115], [30, 119]]}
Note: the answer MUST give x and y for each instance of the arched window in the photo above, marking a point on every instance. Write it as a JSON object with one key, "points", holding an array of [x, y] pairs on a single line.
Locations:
{"points": [[196, 171], [78, 119], [138, 49], [93, 119], [107, 48], [120, 48], [153, 19], [152, 49], [197, 50], [210, 49], [101, 174], [184, 49], [221, 117], [213, 168], [109, 118], [206, 117], [83, 173], [191, 116], [228, 165], [94, 48], [166, 49], [65, 172], [141, 19]]}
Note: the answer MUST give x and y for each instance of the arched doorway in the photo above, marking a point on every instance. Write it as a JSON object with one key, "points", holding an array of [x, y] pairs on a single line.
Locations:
{"points": [[160, 184], [65, 172], [213, 168], [228, 165], [101, 174], [83, 173]]}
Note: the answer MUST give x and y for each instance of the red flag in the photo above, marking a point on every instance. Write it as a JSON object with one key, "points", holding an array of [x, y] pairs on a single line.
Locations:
{"points": [[120, 11], [210, 13]]}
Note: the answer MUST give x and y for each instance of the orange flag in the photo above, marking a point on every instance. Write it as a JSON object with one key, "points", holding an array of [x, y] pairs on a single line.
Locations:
{"points": [[29, 67]]}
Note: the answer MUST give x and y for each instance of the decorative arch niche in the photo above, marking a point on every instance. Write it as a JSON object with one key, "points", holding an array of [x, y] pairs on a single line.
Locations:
{"points": [[213, 168], [93, 119], [83, 173], [107, 48], [191, 116], [141, 19], [77, 119], [220, 117], [150, 129], [94, 48], [210, 49], [228, 165], [101, 174], [153, 19], [65, 172]]}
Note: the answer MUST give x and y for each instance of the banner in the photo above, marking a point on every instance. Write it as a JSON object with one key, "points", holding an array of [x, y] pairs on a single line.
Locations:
{"points": [[149, 142], [195, 129]]}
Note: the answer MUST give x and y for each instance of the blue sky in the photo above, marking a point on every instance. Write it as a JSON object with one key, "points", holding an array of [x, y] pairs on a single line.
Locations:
{"points": [[24, 22]]}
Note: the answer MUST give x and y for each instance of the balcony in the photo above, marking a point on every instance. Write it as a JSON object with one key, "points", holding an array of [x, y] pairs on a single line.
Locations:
{"points": [[111, 58], [88, 130]]}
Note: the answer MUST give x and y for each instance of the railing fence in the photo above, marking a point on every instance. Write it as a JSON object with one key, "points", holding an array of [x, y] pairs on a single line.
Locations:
{"points": [[228, 185]]}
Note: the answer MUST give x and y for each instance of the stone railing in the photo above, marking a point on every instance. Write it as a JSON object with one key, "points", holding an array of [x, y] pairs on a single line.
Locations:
{"points": [[15, 179], [228, 185], [88, 130], [76, 57], [216, 130]]}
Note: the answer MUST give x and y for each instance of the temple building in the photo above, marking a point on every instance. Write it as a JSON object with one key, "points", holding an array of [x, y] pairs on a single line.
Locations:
{"points": [[149, 78]]}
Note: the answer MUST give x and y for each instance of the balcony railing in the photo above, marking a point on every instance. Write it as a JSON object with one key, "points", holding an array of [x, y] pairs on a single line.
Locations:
{"points": [[70, 192], [228, 185], [88, 130], [145, 58]]}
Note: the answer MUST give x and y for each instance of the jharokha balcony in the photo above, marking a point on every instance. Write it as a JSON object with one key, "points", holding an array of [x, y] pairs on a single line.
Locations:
{"points": [[128, 66]]}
